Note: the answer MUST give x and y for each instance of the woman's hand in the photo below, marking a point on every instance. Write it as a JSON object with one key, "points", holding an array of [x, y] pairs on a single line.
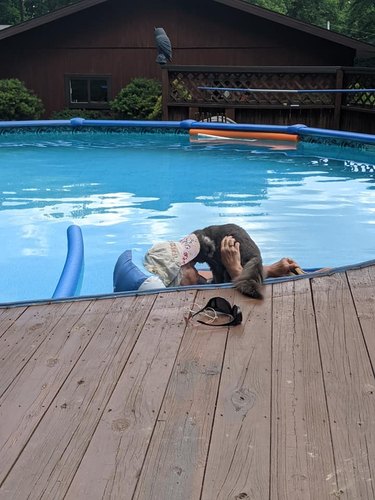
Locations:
{"points": [[282, 267], [231, 256]]}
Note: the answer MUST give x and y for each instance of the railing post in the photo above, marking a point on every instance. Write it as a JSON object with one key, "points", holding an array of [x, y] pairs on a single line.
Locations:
{"points": [[165, 91], [230, 113], [194, 113], [338, 99]]}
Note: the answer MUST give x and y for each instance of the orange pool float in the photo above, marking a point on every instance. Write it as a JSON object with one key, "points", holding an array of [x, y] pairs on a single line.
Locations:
{"points": [[239, 134]]}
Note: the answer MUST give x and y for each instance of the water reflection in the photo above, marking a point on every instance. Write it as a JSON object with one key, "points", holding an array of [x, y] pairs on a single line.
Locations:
{"points": [[305, 203]]}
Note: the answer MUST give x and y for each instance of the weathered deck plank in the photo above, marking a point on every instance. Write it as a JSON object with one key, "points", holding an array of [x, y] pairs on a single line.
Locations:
{"points": [[24, 336], [8, 316], [347, 373], [302, 454], [117, 451], [176, 458], [27, 399], [49, 462], [239, 456], [362, 285], [120, 398]]}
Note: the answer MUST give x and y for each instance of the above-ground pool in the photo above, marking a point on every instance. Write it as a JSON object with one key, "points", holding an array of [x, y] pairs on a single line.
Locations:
{"points": [[128, 189]]}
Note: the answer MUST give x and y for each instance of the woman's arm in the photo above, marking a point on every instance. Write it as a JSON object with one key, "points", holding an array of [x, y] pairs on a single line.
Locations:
{"points": [[231, 258]]}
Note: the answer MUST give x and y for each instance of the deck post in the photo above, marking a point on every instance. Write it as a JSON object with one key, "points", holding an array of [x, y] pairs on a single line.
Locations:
{"points": [[338, 99], [165, 91]]}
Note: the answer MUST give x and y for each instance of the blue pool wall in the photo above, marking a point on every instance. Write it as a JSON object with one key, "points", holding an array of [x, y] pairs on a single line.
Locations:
{"points": [[301, 130]]}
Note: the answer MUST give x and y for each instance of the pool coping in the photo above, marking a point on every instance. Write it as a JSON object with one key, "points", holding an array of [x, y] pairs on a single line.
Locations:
{"points": [[134, 293], [77, 123]]}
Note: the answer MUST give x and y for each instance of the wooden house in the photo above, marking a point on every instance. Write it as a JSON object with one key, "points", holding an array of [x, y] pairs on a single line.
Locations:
{"points": [[82, 55]]}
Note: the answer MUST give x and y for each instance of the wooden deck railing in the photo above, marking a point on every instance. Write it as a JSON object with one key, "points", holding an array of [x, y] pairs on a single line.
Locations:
{"points": [[184, 98]]}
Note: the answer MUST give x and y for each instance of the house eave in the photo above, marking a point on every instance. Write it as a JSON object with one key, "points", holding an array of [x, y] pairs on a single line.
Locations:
{"points": [[289, 22], [47, 18], [241, 5]]}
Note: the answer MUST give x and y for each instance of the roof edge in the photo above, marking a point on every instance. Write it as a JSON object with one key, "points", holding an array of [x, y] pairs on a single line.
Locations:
{"points": [[241, 5], [47, 18]]}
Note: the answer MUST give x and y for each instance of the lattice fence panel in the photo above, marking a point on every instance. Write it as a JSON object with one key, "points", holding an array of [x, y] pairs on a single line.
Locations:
{"points": [[184, 87], [361, 81]]}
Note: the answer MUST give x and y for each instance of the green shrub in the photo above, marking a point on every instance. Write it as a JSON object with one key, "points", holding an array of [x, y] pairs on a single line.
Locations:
{"points": [[157, 112], [17, 102], [139, 100], [89, 114]]}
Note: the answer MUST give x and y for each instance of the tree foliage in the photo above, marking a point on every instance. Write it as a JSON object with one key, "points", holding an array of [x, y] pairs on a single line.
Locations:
{"points": [[40, 7], [361, 20], [318, 12], [88, 114], [280, 6], [9, 12], [354, 18], [16, 11], [17, 102]]}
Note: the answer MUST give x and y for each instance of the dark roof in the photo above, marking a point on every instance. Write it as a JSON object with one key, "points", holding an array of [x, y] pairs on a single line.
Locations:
{"points": [[235, 4], [47, 18], [329, 35]]}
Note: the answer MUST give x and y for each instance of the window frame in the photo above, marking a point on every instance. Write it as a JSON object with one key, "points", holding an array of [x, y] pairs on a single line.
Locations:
{"points": [[90, 104]]}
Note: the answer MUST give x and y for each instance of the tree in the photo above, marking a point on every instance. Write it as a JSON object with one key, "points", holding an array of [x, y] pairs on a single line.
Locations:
{"points": [[361, 20], [16, 11], [36, 9], [318, 12], [9, 12], [354, 18], [280, 6]]}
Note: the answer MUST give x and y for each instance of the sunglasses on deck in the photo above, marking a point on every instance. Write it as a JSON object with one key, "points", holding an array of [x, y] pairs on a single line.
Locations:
{"points": [[219, 309]]}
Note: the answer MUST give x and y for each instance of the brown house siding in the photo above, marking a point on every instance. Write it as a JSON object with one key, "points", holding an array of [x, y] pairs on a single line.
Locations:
{"points": [[116, 38]]}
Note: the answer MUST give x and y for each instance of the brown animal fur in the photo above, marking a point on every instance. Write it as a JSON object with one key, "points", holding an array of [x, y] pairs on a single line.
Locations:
{"points": [[251, 278]]}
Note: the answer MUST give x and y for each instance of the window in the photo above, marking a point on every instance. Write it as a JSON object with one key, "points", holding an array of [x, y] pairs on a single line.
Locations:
{"points": [[87, 91]]}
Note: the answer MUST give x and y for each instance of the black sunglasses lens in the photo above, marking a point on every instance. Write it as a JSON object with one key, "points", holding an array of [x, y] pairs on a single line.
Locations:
{"points": [[220, 305]]}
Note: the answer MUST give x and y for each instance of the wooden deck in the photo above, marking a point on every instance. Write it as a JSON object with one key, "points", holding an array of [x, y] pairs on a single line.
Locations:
{"points": [[121, 398]]}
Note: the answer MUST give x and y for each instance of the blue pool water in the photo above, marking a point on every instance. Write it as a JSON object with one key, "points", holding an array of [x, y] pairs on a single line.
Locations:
{"points": [[314, 203]]}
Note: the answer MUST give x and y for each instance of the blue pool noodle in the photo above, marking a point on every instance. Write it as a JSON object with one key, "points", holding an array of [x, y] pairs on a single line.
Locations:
{"points": [[72, 273]]}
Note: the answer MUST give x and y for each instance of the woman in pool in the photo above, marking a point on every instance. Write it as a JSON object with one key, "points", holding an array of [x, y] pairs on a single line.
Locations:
{"points": [[171, 264]]}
